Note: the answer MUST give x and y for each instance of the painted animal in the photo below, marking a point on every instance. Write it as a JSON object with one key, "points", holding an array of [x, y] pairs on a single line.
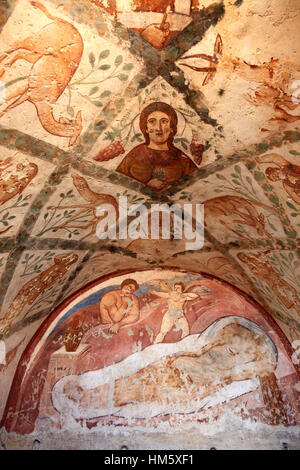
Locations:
{"points": [[243, 209], [93, 199], [14, 177], [55, 53], [33, 288]]}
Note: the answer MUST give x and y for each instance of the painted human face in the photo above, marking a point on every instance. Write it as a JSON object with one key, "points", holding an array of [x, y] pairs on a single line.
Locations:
{"points": [[178, 288], [128, 289], [158, 127]]}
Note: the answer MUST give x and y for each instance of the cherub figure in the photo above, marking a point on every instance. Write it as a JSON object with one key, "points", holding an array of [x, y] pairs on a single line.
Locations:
{"points": [[176, 297]]}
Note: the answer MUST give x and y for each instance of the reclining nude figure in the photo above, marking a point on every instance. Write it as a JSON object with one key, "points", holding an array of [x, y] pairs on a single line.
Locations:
{"points": [[180, 377]]}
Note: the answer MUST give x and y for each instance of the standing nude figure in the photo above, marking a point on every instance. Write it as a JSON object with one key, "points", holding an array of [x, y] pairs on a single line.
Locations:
{"points": [[175, 315]]}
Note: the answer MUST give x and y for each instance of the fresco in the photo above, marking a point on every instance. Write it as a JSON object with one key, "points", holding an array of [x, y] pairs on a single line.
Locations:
{"points": [[281, 171], [67, 46], [235, 206], [71, 211], [228, 69], [162, 102], [58, 85], [170, 145], [277, 276], [213, 262], [158, 22], [101, 263], [12, 180], [157, 162], [285, 172], [151, 345], [20, 178], [49, 270], [271, 89]]}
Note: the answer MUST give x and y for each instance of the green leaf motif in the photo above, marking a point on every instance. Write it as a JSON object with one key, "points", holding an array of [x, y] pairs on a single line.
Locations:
{"points": [[274, 199], [128, 67], [70, 111], [184, 145], [259, 176], [118, 60], [104, 54], [93, 90], [119, 104], [92, 59], [273, 227], [289, 204], [105, 94], [104, 67], [123, 77]]}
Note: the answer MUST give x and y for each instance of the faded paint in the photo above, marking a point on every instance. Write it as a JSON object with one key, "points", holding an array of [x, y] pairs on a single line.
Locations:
{"points": [[74, 94]]}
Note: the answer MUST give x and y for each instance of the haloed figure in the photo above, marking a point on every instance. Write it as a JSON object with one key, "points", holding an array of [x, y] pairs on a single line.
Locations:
{"points": [[157, 162]]}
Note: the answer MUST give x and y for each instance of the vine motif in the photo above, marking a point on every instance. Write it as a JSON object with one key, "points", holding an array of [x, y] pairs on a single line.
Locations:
{"points": [[96, 94]]}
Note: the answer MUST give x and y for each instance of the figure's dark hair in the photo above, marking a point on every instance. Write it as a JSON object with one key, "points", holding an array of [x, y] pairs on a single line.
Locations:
{"points": [[164, 108], [126, 282], [180, 284]]}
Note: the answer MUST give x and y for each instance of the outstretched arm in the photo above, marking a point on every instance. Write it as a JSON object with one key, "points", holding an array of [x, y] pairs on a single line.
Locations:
{"points": [[192, 296], [164, 295]]}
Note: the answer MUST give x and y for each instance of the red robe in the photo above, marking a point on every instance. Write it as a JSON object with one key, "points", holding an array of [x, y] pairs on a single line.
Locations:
{"points": [[144, 164]]}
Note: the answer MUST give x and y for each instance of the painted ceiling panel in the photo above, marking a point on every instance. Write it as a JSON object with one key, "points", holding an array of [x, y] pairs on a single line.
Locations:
{"points": [[79, 81]]}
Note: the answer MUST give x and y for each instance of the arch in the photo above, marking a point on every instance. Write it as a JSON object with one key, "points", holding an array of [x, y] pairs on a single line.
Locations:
{"points": [[46, 360]]}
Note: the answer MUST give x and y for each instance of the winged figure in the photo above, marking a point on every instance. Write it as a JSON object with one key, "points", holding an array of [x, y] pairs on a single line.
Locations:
{"points": [[176, 297]]}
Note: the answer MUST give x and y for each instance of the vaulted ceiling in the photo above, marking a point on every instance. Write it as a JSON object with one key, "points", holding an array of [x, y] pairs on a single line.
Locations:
{"points": [[231, 74]]}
